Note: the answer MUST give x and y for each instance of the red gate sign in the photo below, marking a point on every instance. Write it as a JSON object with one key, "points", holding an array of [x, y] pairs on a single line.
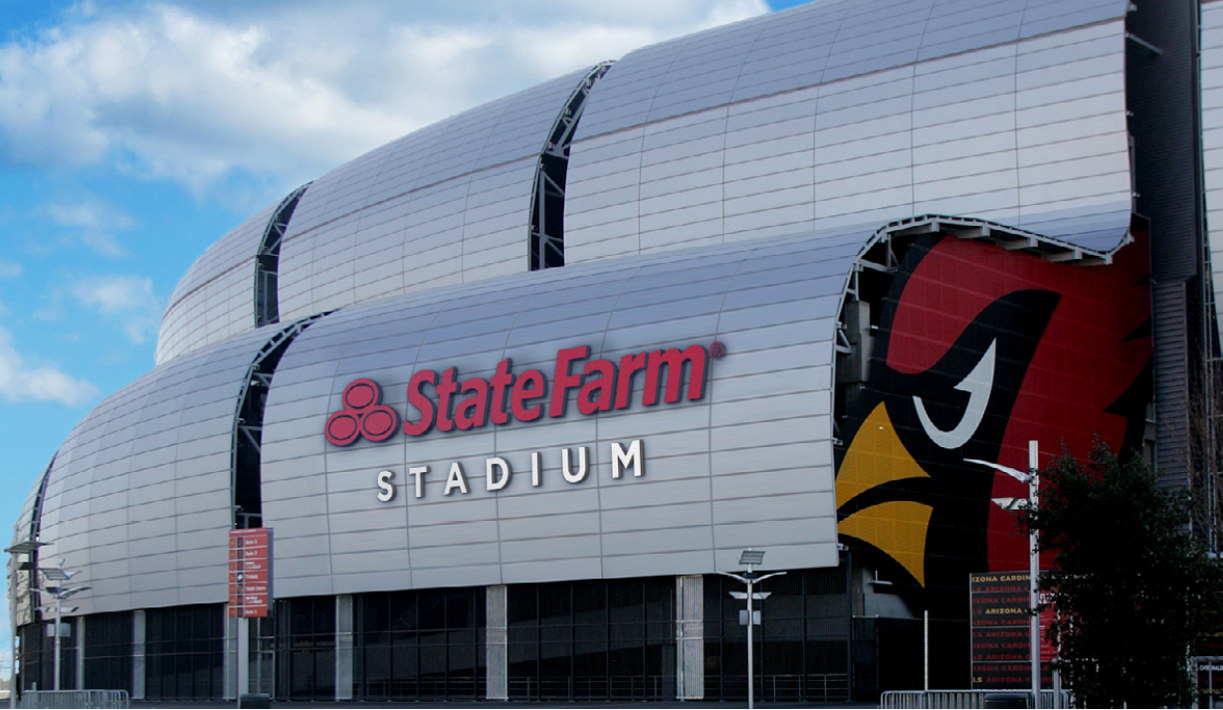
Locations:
{"points": [[250, 572]]}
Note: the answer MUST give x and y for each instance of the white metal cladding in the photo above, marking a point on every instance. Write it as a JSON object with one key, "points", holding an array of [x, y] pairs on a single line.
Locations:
{"points": [[21, 533], [139, 496], [817, 43], [1212, 138], [1030, 132], [215, 299], [447, 204], [750, 464]]}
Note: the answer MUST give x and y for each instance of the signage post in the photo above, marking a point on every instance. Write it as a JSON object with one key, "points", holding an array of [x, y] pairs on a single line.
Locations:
{"points": [[250, 589], [1034, 573]]}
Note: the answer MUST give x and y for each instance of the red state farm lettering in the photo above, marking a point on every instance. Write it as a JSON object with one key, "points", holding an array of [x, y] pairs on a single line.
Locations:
{"points": [[449, 403]]}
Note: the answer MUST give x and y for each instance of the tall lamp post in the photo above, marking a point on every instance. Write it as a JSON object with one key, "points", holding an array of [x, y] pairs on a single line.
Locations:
{"points": [[59, 592], [751, 558], [25, 547], [1032, 478]]}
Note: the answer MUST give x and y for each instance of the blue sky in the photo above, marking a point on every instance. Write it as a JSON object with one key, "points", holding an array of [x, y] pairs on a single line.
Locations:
{"points": [[134, 135]]}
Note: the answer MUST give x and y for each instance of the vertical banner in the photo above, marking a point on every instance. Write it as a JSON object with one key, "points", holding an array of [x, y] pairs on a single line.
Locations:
{"points": [[1001, 643], [250, 572]]}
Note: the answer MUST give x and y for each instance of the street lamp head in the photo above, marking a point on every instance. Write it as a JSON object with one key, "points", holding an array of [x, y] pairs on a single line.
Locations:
{"points": [[56, 573], [24, 547], [751, 557]]}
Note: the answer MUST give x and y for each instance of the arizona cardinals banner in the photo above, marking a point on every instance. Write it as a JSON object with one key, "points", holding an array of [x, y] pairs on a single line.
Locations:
{"points": [[980, 350]]}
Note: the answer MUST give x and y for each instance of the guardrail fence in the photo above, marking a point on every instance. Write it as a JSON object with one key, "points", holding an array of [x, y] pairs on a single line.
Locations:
{"points": [[922, 699], [75, 699]]}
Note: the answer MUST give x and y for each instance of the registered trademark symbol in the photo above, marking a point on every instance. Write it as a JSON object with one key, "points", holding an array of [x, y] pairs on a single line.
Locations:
{"points": [[717, 349]]}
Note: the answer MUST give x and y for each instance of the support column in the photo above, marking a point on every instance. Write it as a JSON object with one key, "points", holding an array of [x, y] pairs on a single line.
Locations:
{"points": [[343, 646], [690, 637], [495, 651], [80, 653], [244, 656], [138, 654], [229, 659]]}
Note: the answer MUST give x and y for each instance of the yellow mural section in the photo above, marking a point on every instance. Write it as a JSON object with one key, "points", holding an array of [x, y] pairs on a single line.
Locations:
{"points": [[898, 528]]}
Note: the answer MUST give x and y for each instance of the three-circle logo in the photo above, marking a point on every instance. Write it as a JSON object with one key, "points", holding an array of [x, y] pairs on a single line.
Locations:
{"points": [[361, 415]]}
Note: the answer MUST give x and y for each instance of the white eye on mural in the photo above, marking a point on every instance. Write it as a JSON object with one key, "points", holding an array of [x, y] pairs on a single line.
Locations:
{"points": [[978, 383]]}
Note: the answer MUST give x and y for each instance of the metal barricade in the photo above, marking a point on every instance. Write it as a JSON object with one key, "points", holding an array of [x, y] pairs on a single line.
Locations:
{"points": [[75, 699], [923, 699]]}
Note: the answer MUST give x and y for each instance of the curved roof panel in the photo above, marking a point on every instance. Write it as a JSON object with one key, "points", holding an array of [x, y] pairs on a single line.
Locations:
{"points": [[449, 203], [817, 43], [215, 299], [139, 495], [1030, 133], [774, 307]]}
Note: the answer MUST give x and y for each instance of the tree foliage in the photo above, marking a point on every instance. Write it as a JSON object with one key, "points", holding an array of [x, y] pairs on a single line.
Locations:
{"points": [[1131, 586]]}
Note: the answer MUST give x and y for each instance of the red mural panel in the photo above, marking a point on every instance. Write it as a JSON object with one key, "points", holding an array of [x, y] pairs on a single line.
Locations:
{"points": [[980, 350]]}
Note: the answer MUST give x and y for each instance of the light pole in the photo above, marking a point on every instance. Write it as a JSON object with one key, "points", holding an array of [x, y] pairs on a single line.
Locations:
{"points": [[26, 547], [1032, 478], [751, 558], [59, 593]]}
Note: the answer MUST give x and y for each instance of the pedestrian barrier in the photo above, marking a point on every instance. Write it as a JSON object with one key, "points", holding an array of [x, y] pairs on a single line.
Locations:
{"points": [[922, 699], [75, 699]]}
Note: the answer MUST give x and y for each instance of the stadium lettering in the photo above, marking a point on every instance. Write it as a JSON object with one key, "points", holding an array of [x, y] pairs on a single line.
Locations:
{"points": [[498, 472], [449, 403]]}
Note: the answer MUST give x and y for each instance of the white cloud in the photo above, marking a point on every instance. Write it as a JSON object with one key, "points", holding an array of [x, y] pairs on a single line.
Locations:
{"points": [[22, 383], [97, 222], [10, 269], [199, 92], [124, 298]]}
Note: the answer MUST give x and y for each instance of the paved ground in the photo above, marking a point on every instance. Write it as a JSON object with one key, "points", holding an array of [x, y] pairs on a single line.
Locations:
{"points": [[522, 705]]}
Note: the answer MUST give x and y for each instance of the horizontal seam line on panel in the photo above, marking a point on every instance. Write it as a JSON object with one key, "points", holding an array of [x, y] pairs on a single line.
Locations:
{"points": [[855, 76]]}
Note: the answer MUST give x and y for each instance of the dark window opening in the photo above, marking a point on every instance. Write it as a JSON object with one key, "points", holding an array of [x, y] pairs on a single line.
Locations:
{"points": [[801, 643], [36, 656], [420, 645], [267, 304], [546, 247], [305, 643], [248, 428], [108, 651], [597, 639], [184, 652]]}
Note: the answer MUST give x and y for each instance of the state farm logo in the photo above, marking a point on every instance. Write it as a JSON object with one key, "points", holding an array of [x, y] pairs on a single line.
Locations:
{"points": [[361, 415], [602, 386]]}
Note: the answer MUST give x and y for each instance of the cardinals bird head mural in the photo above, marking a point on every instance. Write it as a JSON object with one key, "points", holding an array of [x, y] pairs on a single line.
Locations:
{"points": [[979, 350]]}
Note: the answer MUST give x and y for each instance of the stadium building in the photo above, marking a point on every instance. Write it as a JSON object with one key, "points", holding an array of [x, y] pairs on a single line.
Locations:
{"points": [[511, 391]]}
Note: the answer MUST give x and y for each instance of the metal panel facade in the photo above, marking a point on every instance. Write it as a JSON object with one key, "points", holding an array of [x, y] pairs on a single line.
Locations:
{"points": [[139, 496], [215, 299], [1029, 133], [1212, 136], [447, 204], [819, 43], [750, 463]]}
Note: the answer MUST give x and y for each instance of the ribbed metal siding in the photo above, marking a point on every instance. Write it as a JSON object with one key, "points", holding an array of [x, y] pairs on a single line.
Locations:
{"points": [[1163, 98], [749, 464], [139, 496], [447, 204], [1171, 375], [1031, 133]]}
